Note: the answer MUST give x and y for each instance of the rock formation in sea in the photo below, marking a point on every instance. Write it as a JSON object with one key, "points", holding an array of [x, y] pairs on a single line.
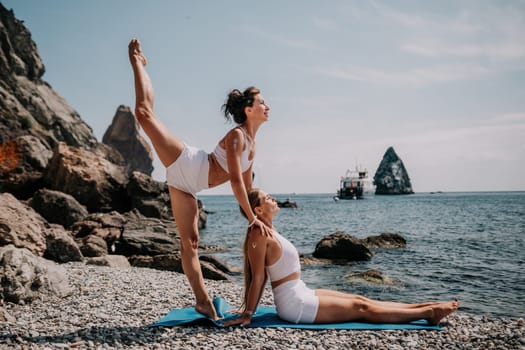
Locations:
{"points": [[391, 176], [341, 246], [123, 135], [64, 196]]}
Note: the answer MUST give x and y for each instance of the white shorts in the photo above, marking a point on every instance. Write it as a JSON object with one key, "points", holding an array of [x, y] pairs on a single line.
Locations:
{"points": [[295, 302], [189, 173]]}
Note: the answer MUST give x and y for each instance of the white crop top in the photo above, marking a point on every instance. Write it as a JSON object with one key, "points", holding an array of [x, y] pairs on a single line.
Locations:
{"points": [[220, 155], [287, 263]]}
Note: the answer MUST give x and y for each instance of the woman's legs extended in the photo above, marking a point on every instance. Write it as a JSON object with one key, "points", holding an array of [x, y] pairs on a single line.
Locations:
{"points": [[186, 213], [327, 292], [167, 147], [337, 309]]}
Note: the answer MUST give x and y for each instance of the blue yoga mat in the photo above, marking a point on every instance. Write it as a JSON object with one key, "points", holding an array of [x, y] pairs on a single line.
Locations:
{"points": [[266, 316]]}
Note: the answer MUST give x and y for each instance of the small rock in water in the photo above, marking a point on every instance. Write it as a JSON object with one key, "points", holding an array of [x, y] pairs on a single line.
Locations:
{"points": [[372, 276]]}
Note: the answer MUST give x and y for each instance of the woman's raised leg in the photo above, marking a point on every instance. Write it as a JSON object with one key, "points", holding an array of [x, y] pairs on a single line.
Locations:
{"points": [[168, 149], [186, 214], [336, 309], [167, 146]]}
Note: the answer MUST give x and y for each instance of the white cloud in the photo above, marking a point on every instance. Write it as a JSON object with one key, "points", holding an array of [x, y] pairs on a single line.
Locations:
{"points": [[412, 77], [489, 30], [435, 48]]}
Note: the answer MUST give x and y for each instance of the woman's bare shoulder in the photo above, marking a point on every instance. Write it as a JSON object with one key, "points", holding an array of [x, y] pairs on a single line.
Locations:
{"points": [[255, 234], [234, 138], [234, 133]]}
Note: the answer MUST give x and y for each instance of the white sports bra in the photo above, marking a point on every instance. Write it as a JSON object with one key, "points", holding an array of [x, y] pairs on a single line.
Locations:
{"points": [[287, 263], [220, 155]]}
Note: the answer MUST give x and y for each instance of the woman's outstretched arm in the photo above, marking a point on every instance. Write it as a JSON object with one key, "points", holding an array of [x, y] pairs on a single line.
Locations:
{"points": [[256, 254], [234, 142]]}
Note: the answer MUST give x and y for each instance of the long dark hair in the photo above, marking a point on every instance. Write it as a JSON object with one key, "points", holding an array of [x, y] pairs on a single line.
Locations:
{"points": [[255, 201], [237, 101]]}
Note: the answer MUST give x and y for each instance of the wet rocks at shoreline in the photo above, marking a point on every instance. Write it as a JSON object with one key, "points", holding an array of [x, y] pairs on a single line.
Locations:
{"points": [[112, 308], [341, 246]]}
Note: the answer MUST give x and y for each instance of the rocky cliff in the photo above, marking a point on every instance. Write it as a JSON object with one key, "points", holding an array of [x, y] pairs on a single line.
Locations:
{"points": [[65, 196], [391, 176], [33, 117], [43, 140], [28, 105]]}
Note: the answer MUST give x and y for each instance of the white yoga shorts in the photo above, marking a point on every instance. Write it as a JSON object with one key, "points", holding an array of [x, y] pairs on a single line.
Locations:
{"points": [[189, 173], [295, 302]]}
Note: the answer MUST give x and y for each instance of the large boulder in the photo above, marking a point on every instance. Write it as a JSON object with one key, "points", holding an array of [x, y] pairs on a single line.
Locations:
{"points": [[344, 247], [58, 207], [391, 176], [25, 277], [173, 262], [148, 196], [147, 236], [167, 262], [22, 164], [218, 263], [109, 261], [151, 198], [21, 226], [98, 233], [123, 135], [60, 246], [385, 241], [212, 272], [93, 246], [341, 246], [94, 181]]}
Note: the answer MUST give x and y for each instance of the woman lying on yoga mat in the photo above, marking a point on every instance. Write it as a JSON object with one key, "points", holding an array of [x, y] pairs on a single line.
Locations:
{"points": [[190, 170], [276, 257]]}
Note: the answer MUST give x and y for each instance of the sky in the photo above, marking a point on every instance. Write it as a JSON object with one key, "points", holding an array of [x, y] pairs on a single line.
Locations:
{"points": [[442, 82]]}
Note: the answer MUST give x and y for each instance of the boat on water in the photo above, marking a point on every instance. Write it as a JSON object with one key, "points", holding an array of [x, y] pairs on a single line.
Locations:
{"points": [[288, 203], [355, 184]]}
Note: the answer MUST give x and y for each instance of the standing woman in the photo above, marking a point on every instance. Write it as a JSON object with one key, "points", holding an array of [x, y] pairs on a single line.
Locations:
{"points": [[190, 170]]}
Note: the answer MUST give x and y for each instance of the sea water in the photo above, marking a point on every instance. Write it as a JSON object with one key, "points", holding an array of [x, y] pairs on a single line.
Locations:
{"points": [[465, 246]]}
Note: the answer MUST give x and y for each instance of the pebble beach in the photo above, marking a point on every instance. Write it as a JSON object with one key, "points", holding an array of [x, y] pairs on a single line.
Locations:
{"points": [[111, 308]]}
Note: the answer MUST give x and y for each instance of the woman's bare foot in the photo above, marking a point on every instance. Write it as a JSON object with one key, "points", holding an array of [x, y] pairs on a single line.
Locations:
{"points": [[207, 309], [135, 52], [442, 310]]}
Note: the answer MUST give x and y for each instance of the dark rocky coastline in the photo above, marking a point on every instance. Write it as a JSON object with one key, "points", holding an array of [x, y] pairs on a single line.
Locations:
{"points": [[64, 196]]}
